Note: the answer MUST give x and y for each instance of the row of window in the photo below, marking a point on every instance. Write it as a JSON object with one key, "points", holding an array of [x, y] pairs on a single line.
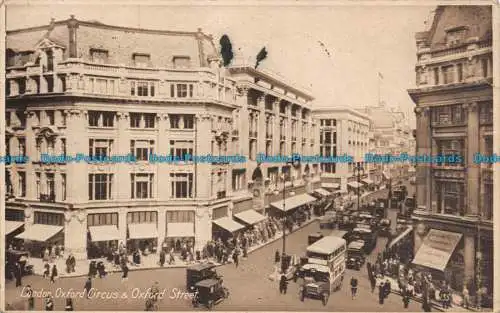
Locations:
{"points": [[101, 56], [140, 120]]}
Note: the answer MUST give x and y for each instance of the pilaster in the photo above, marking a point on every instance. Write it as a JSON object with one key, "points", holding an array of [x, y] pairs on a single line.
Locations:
{"points": [[75, 234], [122, 226], [423, 148], [122, 181], [32, 153], [473, 169], [162, 167], [77, 142], [203, 147], [261, 129], [469, 257], [276, 127], [162, 226]]}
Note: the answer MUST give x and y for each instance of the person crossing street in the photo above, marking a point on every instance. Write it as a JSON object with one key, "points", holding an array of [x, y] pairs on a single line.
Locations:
{"points": [[354, 287]]}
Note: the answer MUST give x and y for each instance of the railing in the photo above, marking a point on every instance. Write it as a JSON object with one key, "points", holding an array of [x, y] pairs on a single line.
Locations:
{"points": [[449, 51], [47, 197]]}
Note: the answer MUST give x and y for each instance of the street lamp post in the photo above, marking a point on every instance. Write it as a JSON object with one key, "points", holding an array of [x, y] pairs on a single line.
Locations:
{"points": [[276, 192], [358, 171]]}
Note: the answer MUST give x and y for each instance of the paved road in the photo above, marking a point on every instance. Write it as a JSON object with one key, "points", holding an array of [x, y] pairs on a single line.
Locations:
{"points": [[249, 285]]}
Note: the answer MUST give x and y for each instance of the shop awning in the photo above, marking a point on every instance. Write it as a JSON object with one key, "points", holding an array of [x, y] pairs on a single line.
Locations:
{"points": [[354, 184], [40, 232], [367, 181], [323, 192], [405, 233], [180, 230], [11, 226], [142, 230], [250, 217], [104, 233], [330, 185], [436, 249], [293, 202], [228, 224]]}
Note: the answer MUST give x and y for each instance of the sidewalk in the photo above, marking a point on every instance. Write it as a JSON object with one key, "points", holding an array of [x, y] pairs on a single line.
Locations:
{"points": [[435, 305], [147, 262]]}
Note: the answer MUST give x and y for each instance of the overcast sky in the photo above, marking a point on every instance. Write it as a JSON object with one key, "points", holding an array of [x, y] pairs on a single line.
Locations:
{"points": [[361, 40]]}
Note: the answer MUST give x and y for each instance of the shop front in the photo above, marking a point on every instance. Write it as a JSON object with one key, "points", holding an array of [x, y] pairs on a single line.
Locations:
{"points": [[44, 236], [441, 254], [103, 235], [142, 232], [225, 228], [180, 232]]}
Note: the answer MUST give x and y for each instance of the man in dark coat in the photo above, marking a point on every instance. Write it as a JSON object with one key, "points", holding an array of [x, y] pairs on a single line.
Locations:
{"points": [[381, 293], [54, 274], [387, 288], [49, 303], [18, 274], [283, 284], [162, 257], [406, 297], [354, 287], [87, 287], [69, 305]]}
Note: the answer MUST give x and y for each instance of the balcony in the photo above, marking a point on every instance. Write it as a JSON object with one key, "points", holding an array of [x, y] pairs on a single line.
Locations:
{"points": [[282, 137], [252, 134], [47, 197], [235, 132]]}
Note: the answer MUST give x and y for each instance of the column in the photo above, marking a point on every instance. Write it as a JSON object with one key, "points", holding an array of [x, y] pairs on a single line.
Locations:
{"points": [[162, 169], [433, 186], [77, 141], [203, 147], [276, 127], [244, 125], [261, 128], [469, 257], [423, 148], [31, 153], [473, 169], [122, 181], [75, 234], [202, 227], [122, 226], [162, 226]]}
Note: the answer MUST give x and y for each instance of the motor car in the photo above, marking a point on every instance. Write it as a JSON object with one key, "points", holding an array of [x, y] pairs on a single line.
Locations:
{"points": [[328, 220], [384, 227], [355, 255], [367, 235], [17, 256], [209, 292], [199, 272], [313, 238]]}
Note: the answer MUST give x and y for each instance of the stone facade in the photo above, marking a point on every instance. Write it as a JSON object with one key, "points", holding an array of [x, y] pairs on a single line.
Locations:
{"points": [[454, 110], [76, 87]]}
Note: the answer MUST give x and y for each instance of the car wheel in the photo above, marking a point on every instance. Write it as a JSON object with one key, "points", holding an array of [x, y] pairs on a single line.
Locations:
{"points": [[324, 299], [210, 304]]}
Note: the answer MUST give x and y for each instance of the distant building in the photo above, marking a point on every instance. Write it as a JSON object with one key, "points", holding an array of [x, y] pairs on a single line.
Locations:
{"points": [[454, 109], [343, 131]]}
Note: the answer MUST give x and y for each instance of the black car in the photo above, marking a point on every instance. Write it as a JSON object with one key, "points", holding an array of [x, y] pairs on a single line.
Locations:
{"points": [[384, 227], [209, 292], [355, 255], [199, 272], [313, 238]]}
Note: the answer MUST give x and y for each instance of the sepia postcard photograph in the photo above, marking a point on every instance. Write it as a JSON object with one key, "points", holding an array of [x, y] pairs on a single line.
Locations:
{"points": [[257, 156]]}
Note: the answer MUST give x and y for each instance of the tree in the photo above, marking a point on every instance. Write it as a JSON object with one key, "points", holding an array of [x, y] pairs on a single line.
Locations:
{"points": [[226, 50], [261, 56]]}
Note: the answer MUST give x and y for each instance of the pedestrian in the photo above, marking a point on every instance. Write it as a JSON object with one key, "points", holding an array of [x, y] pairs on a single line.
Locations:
{"points": [[277, 257], [69, 305], [465, 294], [68, 264], [171, 257], [381, 293], [406, 298], [235, 257], [125, 272], [54, 274], [49, 303], [283, 284], [354, 287], [31, 299], [87, 287], [387, 287], [18, 275], [46, 273], [162, 257]]}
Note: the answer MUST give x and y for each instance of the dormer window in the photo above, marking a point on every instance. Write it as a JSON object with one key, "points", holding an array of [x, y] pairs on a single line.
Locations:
{"points": [[99, 56], [182, 62], [456, 35], [141, 59]]}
